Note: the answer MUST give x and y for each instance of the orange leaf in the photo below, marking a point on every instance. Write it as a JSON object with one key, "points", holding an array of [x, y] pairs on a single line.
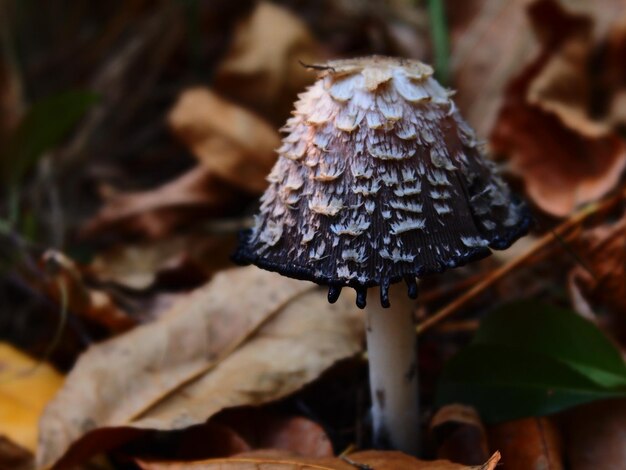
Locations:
{"points": [[229, 141], [25, 388], [528, 443], [283, 461]]}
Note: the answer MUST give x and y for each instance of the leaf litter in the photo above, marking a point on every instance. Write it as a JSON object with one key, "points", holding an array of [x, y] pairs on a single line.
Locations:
{"points": [[366, 460], [190, 97], [544, 128], [218, 348]]}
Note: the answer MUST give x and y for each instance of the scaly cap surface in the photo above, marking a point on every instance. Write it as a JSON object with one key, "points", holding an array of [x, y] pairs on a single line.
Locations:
{"points": [[379, 179]]}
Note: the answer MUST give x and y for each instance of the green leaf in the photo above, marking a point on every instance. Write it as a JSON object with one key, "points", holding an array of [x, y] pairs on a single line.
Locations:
{"points": [[558, 333], [531, 359], [44, 126]]}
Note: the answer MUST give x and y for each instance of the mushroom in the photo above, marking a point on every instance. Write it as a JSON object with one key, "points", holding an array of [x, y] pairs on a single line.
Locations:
{"points": [[379, 180]]}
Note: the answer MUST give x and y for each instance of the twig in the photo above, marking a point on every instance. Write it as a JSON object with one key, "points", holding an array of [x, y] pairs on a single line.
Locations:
{"points": [[505, 269], [568, 249], [360, 466], [315, 66]]}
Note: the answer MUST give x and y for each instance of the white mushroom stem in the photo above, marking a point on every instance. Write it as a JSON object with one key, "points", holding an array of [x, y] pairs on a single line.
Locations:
{"points": [[392, 354]]}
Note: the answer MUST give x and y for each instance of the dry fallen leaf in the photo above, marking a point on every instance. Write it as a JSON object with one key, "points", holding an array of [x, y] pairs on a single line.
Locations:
{"points": [[564, 157], [528, 443], [138, 266], [600, 281], [481, 61], [25, 388], [459, 434], [261, 69], [581, 80], [264, 430], [14, 457], [232, 432], [155, 213], [377, 460], [229, 141], [65, 281], [596, 436], [246, 338]]}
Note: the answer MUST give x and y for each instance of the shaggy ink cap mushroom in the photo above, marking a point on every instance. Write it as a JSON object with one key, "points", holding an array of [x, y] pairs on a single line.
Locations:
{"points": [[379, 179]]}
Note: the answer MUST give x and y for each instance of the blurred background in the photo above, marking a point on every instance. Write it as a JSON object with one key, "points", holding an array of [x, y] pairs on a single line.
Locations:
{"points": [[135, 137]]}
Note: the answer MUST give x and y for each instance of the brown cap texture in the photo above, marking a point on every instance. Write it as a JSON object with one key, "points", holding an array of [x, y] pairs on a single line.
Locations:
{"points": [[379, 179]]}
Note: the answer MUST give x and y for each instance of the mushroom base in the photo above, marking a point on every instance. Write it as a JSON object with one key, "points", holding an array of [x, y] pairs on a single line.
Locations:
{"points": [[392, 353]]}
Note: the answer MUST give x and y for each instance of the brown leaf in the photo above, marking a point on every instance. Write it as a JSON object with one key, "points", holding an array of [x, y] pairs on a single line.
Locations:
{"points": [[544, 128], [208, 440], [14, 457], [155, 213], [261, 69], [378, 460], [229, 141], [613, 50], [264, 430], [246, 338], [596, 436], [233, 432], [482, 62], [66, 280], [528, 443], [459, 434], [600, 281], [138, 266]]}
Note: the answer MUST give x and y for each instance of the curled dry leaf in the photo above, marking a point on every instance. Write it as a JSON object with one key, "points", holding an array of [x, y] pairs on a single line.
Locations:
{"points": [[25, 388], [459, 435], [223, 346], [138, 266], [528, 443], [378, 460], [596, 436], [482, 63], [564, 157], [232, 432], [600, 282], [264, 430], [66, 281], [157, 212], [14, 457], [261, 69], [229, 141]]}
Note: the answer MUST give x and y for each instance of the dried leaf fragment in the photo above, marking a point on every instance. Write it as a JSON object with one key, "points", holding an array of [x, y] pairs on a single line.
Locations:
{"points": [[266, 430], [14, 457], [66, 281], [378, 460], [600, 282], [261, 68], [482, 62], [156, 212], [545, 129], [459, 434], [25, 388], [528, 443], [139, 265], [221, 347], [596, 436], [229, 141]]}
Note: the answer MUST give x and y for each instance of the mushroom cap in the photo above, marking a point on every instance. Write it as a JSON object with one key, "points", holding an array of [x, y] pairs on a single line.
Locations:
{"points": [[379, 179]]}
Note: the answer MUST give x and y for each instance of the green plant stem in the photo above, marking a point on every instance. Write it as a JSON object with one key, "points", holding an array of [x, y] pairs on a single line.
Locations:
{"points": [[441, 44]]}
